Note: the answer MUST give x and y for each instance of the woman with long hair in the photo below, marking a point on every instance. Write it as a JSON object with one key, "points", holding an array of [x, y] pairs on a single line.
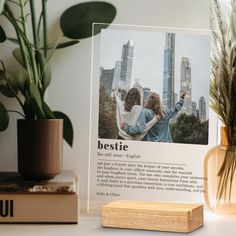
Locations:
{"points": [[159, 132], [154, 103], [128, 112]]}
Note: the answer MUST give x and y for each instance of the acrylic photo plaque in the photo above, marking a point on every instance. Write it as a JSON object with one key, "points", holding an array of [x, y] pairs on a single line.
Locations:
{"points": [[151, 125]]}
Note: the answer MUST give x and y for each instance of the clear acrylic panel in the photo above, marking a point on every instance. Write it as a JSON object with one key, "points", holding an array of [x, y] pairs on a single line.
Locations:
{"points": [[132, 155]]}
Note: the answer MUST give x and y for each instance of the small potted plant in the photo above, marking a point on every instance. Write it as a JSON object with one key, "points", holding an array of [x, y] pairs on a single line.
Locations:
{"points": [[41, 131]]}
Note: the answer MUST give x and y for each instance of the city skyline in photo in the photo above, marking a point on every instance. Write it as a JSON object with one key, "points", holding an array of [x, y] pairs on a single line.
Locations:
{"points": [[160, 62]]}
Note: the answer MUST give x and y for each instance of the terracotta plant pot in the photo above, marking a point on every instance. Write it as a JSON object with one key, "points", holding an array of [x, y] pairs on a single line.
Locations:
{"points": [[40, 148]]}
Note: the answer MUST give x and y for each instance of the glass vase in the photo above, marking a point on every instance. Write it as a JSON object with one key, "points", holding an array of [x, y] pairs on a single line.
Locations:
{"points": [[220, 183]]}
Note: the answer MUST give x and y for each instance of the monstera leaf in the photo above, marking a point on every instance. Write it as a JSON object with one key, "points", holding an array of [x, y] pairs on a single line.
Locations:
{"points": [[76, 22]]}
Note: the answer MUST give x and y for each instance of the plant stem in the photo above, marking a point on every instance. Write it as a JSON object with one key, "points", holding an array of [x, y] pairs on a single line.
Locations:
{"points": [[26, 48], [29, 47], [31, 52], [33, 65], [45, 33], [39, 25], [10, 16], [34, 25], [24, 21]]}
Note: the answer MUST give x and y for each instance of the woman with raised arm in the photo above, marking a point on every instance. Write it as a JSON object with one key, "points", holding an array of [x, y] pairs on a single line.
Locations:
{"points": [[159, 132], [128, 112]]}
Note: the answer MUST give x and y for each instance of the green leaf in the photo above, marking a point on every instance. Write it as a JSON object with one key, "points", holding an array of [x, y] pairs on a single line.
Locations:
{"points": [[76, 22], [67, 127], [4, 118], [14, 81], [17, 54], [3, 36], [2, 2], [45, 70], [67, 44], [48, 112], [54, 45], [35, 94], [4, 87], [19, 80]]}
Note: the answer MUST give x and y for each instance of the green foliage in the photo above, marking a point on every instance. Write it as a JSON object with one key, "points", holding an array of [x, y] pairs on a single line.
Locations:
{"points": [[45, 71], [189, 129], [107, 116], [67, 129], [34, 57], [35, 95], [67, 44], [10, 85]]}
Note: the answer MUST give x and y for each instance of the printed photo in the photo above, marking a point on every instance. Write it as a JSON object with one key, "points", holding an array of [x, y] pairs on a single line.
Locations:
{"points": [[154, 86]]}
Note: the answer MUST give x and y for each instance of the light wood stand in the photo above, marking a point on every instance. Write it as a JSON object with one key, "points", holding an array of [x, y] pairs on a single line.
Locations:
{"points": [[152, 216]]}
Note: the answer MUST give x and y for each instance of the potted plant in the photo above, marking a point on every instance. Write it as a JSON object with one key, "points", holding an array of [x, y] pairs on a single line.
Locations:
{"points": [[41, 131], [220, 162]]}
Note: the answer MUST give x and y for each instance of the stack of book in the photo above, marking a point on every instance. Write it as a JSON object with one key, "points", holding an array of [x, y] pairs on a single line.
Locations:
{"points": [[53, 201]]}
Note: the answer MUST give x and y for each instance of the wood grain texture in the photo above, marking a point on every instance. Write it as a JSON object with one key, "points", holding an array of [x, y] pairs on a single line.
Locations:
{"points": [[39, 208], [152, 216]]}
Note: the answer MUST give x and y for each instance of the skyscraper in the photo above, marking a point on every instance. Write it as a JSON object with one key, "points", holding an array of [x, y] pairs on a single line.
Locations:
{"points": [[194, 109], [106, 79], [123, 68], [127, 63], [186, 85], [202, 109], [117, 83], [168, 96]]}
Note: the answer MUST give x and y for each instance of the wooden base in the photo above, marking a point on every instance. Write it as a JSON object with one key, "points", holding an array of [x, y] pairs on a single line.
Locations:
{"points": [[152, 216]]}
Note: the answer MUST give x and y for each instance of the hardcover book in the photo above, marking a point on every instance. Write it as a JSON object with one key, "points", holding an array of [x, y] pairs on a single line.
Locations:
{"points": [[151, 125], [53, 201]]}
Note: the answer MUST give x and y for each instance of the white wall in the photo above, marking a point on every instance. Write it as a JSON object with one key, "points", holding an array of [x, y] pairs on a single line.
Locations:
{"points": [[69, 91]]}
